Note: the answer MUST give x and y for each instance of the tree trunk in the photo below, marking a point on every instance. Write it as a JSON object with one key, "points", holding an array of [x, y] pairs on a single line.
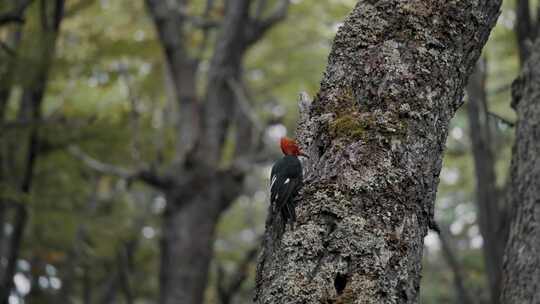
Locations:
{"points": [[7, 67], [526, 29], [490, 215], [30, 110], [187, 233], [375, 133], [521, 267], [189, 222], [463, 295]]}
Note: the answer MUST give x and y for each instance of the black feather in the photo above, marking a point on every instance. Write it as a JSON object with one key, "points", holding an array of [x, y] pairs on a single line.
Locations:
{"points": [[285, 182]]}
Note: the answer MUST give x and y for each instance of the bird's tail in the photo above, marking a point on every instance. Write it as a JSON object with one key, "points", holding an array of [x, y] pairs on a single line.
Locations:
{"points": [[288, 215]]}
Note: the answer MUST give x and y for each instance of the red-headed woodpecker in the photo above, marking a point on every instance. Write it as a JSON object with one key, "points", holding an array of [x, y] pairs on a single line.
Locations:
{"points": [[286, 181]]}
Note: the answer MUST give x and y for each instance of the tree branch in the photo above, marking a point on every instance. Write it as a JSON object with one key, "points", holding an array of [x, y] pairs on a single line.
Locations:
{"points": [[206, 30], [16, 15], [170, 20], [233, 179], [501, 119], [134, 116], [148, 176], [218, 107], [61, 120], [259, 9], [524, 29], [250, 145], [260, 27], [244, 106], [100, 166], [7, 49], [500, 89]]}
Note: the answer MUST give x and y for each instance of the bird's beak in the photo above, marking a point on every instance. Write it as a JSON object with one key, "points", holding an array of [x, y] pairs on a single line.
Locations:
{"points": [[303, 154]]}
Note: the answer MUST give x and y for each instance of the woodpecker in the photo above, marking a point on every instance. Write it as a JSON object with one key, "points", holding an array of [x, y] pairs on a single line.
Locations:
{"points": [[286, 181]]}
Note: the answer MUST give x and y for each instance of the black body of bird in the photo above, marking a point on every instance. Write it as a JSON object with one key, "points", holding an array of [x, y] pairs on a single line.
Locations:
{"points": [[285, 182]]}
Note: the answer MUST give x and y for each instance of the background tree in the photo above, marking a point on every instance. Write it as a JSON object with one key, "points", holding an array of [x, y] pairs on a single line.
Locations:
{"points": [[491, 213], [521, 261], [192, 213], [22, 154], [375, 135], [490, 197]]}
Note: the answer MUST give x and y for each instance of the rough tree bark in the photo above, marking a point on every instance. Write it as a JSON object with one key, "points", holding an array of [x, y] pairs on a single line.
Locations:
{"points": [[521, 266], [489, 208], [375, 133]]}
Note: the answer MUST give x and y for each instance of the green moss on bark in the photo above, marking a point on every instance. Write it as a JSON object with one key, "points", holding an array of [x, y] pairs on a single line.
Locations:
{"points": [[355, 126], [348, 126]]}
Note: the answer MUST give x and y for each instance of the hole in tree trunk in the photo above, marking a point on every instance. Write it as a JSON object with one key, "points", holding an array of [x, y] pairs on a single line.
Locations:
{"points": [[340, 282]]}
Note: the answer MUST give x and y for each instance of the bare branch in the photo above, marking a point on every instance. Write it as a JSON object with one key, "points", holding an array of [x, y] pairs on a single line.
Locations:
{"points": [[11, 18], [524, 29], [16, 15], [501, 119], [7, 49], [148, 176], [134, 116], [170, 20], [244, 104], [250, 131], [206, 30], [201, 22], [100, 166], [260, 27], [259, 9], [218, 107], [501, 89], [52, 120]]}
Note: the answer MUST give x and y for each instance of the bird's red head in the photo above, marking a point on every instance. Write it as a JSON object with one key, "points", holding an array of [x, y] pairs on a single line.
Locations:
{"points": [[289, 147]]}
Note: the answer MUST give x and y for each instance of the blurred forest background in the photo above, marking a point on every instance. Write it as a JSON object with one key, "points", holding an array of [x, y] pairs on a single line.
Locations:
{"points": [[90, 110]]}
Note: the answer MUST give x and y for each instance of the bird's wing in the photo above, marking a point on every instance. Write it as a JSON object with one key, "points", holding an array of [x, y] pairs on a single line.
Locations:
{"points": [[282, 189]]}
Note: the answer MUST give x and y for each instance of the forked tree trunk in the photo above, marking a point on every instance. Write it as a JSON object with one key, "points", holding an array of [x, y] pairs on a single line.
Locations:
{"points": [[200, 188], [375, 133], [521, 266]]}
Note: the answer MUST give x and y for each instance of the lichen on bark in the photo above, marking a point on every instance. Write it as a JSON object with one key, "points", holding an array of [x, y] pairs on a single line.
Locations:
{"points": [[375, 133]]}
